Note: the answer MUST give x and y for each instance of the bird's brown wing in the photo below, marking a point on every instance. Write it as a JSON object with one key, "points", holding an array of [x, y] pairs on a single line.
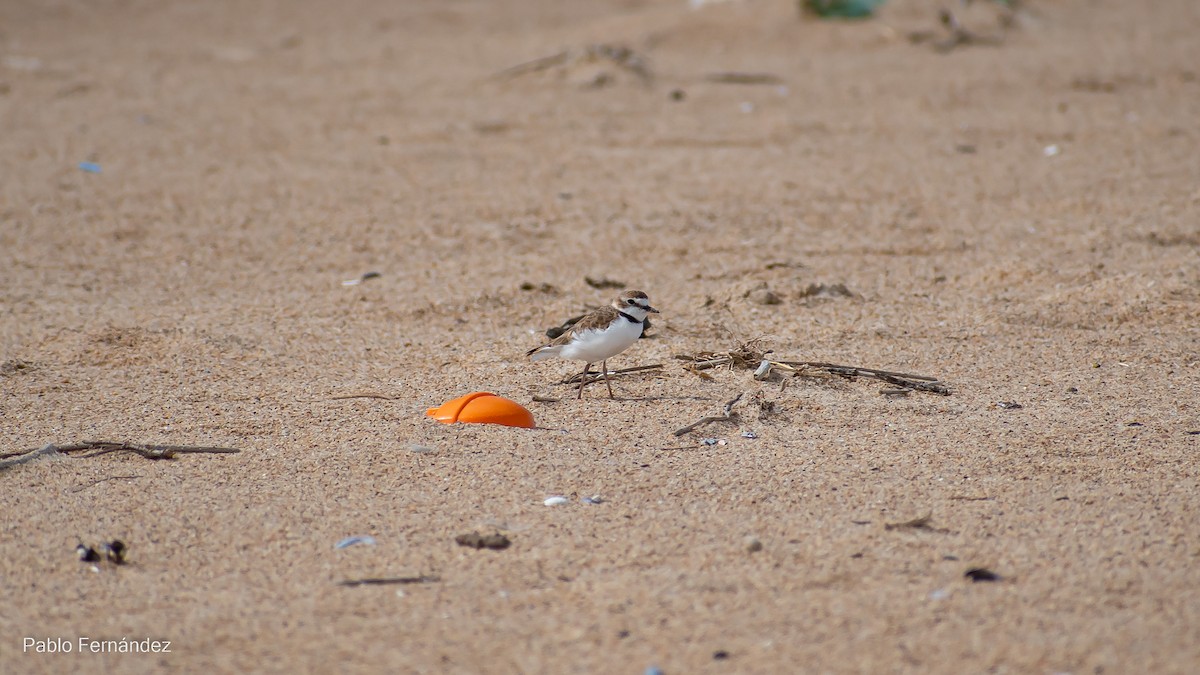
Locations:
{"points": [[597, 319]]}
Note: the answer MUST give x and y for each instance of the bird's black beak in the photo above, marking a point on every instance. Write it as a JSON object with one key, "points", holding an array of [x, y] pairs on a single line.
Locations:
{"points": [[652, 310]]}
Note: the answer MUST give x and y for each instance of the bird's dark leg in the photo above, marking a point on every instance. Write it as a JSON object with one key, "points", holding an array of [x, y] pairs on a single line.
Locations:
{"points": [[604, 367], [583, 379]]}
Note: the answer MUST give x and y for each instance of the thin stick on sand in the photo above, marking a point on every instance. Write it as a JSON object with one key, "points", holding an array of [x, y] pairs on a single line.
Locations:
{"points": [[104, 447], [748, 355], [729, 416], [918, 382], [389, 581], [596, 377]]}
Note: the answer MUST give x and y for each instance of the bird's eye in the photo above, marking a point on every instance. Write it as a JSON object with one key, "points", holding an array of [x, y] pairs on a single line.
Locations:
{"points": [[631, 301]]}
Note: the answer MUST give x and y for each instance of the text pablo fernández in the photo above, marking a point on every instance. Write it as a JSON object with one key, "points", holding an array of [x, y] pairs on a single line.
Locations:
{"points": [[87, 645]]}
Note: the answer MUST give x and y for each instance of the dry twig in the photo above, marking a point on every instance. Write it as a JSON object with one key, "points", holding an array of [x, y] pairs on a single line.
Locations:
{"points": [[26, 456], [749, 355], [908, 380], [736, 77], [596, 377], [921, 523], [729, 416], [387, 581], [104, 447]]}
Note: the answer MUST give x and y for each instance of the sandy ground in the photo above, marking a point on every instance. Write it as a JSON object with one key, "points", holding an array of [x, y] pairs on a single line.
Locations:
{"points": [[1021, 220]]}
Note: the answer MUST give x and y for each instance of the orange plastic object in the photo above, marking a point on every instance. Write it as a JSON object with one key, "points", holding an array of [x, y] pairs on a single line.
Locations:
{"points": [[483, 407]]}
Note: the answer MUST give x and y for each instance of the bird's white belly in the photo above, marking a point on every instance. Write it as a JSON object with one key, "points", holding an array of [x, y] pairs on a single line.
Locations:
{"points": [[598, 345]]}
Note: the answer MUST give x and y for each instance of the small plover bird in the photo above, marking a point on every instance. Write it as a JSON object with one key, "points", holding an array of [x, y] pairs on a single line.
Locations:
{"points": [[601, 335]]}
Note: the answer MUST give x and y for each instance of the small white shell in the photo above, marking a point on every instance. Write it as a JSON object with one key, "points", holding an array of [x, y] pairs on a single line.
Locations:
{"points": [[763, 371], [556, 500], [351, 541]]}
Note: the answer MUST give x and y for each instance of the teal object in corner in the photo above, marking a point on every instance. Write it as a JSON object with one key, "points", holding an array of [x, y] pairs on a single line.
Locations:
{"points": [[840, 9]]}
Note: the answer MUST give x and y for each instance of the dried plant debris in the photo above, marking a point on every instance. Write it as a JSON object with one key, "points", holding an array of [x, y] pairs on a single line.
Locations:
{"points": [[727, 416], [978, 574], [541, 288], [600, 61], [12, 459], [750, 355], [496, 541], [364, 277], [104, 447], [921, 523], [389, 581], [954, 31], [596, 377], [734, 77], [603, 283], [784, 264], [556, 331]]}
